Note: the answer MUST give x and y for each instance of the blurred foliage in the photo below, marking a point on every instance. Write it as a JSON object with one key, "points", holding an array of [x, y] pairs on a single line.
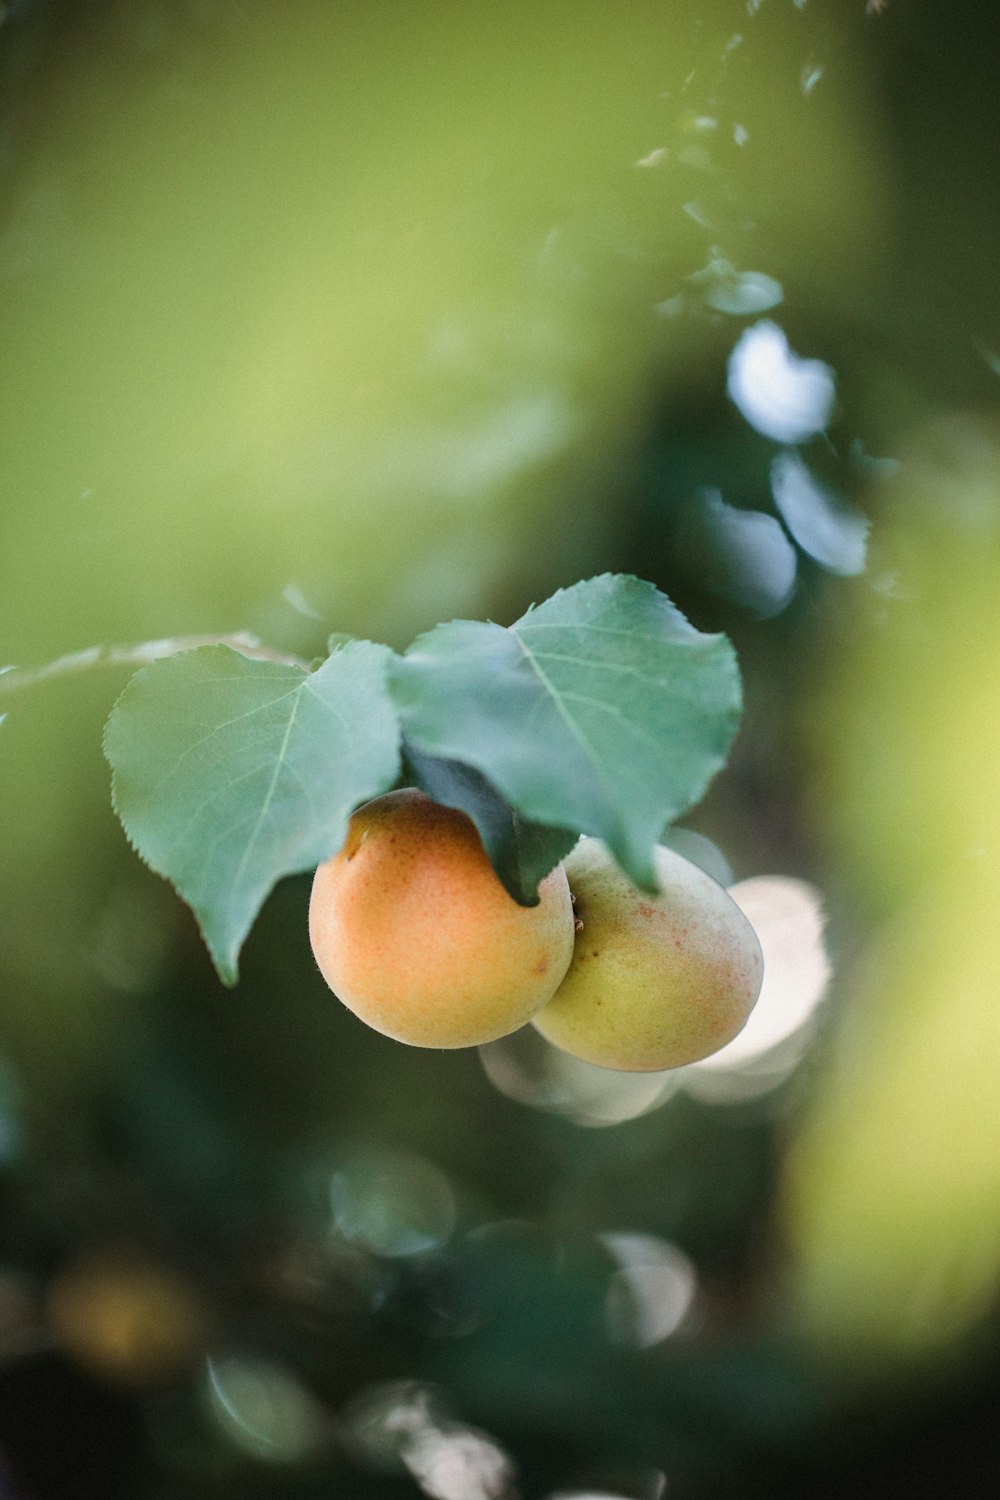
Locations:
{"points": [[331, 317], [896, 1192]]}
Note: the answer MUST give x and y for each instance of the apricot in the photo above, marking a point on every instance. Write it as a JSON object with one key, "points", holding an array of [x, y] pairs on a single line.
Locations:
{"points": [[414, 932], [655, 981]]}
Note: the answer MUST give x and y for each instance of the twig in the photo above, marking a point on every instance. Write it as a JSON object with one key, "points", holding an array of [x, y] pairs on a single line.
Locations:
{"points": [[16, 679]]}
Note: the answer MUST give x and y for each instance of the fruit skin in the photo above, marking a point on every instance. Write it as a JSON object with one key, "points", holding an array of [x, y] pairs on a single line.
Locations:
{"points": [[655, 981], [413, 931]]}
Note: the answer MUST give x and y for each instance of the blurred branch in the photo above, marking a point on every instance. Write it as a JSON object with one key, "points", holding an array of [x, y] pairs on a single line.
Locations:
{"points": [[16, 679]]}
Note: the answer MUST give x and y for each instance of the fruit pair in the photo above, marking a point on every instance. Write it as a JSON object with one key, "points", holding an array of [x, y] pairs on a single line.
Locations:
{"points": [[414, 932]]}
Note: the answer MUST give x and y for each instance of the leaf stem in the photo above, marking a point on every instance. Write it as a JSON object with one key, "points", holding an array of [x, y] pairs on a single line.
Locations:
{"points": [[17, 679]]}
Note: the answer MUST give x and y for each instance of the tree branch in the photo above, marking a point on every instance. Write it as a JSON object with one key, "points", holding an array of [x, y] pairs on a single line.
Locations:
{"points": [[17, 679]]}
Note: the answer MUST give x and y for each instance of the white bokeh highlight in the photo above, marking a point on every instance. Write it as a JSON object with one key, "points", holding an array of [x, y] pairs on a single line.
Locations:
{"points": [[783, 396], [787, 916], [832, 532]]}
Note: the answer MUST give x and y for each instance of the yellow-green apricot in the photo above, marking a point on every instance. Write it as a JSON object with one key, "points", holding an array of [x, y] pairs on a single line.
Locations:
{"points": [[655, 981], [414, 932]]}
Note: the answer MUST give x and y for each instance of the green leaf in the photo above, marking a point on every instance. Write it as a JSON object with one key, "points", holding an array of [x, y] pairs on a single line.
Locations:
{"points": [[521, 852], [602, 711], [230, 773]]}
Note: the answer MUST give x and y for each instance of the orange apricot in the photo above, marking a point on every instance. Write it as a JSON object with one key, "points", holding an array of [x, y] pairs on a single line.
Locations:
{"points": [[413, 931]]}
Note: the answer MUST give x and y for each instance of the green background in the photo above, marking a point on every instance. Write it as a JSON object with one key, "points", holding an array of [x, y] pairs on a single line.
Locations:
{"points": [[359, 318]]}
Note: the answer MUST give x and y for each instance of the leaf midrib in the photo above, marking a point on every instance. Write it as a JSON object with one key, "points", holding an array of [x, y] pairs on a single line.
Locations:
{"points": [[564, 713], [268, 796]]}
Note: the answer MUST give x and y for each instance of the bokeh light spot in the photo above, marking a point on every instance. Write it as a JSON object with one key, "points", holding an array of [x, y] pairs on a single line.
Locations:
{"points": [[651, 1292], [787, 916], [264, 1409], [832, 532], [743, 555], [135, 1323], [405, 1426], [525, 1068], [783, 396], [392, 1202]]}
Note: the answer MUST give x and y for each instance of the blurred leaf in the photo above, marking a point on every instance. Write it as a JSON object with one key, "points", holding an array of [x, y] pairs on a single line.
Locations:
{"points": [[230, 773], [892, 1195], [832, 532], [743, 555], [741, 294], [603, 710], [521, 852], [782, 395]]}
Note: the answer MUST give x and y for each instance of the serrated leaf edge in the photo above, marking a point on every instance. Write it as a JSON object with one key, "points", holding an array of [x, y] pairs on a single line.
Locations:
{"points": [[227, 972]]}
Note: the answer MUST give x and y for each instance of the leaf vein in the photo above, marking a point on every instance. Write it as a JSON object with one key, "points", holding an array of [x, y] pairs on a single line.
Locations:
{"points": [[574, 728], [596, 663], [616, 713], [217, 729], [265, 805]]}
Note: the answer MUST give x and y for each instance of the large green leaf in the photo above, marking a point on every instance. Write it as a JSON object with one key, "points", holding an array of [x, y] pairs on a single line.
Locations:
{"points": [[603, 710], [230, 773], [521, 852]]}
